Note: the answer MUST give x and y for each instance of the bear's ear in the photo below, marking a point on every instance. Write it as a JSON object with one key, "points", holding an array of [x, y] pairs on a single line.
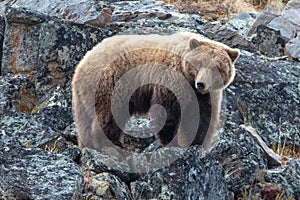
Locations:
{"points": [[233, 54], [194, 43]]}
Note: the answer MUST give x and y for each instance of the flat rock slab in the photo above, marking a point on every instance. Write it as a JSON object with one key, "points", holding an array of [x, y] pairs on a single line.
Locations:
{"points": [[292, 48], [31, 173]]}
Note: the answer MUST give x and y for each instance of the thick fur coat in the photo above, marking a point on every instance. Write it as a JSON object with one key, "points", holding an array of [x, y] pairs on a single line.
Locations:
{"points": [[132, 74]]}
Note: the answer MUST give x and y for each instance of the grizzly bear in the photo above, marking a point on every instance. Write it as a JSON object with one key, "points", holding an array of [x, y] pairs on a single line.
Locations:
{"points": [[178, 79]]}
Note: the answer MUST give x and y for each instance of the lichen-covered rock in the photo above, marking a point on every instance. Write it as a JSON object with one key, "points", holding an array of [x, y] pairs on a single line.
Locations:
{"points": [[146, 17], [273, 111], [273, 29], [242, 22], [286, 29], [25, 129], [31, 173], [54, 109], [292, 48], [164, 174], [105, 185], [70, 133], [138, 134], [240, 157], [107, 160], [253, 72], [291, 13], [80, 11], [2, 29], [18, 92], [279, 183], [191, 176], [216, 31], [55, 47], [269, 42], [268, 15], [256, 77], [5, 104]]}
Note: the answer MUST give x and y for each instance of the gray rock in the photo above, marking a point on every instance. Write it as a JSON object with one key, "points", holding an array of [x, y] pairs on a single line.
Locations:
{"points": [[106, 186], [288, 177], [291, 13], [31, 173], [54, 108], [240, 157], [158, 172], [107, 160], [82, 11], [216, 31], [286, 29], [26, 130], [146, 17], [5, 104], [192, 176], [253, 72], [256, 71], [55, 47], [264, 19], [70, 133], [292, 48], [269, 42], [242, 22], [2, 29], [273, 111], [273, 29], [19, 92], [138, 134], [60, 145]]}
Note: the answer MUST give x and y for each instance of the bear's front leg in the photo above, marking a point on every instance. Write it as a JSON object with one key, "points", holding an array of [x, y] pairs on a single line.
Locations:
{"points": [[212, 136]]}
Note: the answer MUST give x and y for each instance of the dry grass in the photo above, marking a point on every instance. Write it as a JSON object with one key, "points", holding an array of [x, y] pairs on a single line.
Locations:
{"points": [[284, 150], [247, 194], [222, 10], [53, 146], [265, 191]]}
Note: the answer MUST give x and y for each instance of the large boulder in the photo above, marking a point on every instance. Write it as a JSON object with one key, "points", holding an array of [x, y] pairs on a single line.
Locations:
{"points": [[32, 173], [164, 174], [291, 13], [191, 176], [274, 29], [292, 48], [55, 47]]}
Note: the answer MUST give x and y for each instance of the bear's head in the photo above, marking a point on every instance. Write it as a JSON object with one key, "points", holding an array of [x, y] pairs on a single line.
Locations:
{"points": [[210, 64]]}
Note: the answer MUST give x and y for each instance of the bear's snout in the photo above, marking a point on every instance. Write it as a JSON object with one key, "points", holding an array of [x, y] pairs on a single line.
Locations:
{"points": [[200, 85]]}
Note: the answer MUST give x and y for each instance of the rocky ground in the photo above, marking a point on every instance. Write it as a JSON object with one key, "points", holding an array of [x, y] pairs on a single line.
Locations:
{"points": [[256, 156]]}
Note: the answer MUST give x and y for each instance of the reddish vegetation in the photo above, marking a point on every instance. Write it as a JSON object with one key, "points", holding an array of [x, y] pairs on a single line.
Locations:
{"points": [[222, 10]]}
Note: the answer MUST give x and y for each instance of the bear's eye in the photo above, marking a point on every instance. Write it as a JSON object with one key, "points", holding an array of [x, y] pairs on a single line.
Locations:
{"points": [[221, 70], [193, 72]]}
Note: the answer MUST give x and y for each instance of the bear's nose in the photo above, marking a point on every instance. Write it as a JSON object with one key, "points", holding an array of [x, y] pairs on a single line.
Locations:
{"points": [[200, 85]]}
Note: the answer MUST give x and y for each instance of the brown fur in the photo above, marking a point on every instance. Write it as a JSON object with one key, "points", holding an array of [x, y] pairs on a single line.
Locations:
{"points": [[196, 58]]}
